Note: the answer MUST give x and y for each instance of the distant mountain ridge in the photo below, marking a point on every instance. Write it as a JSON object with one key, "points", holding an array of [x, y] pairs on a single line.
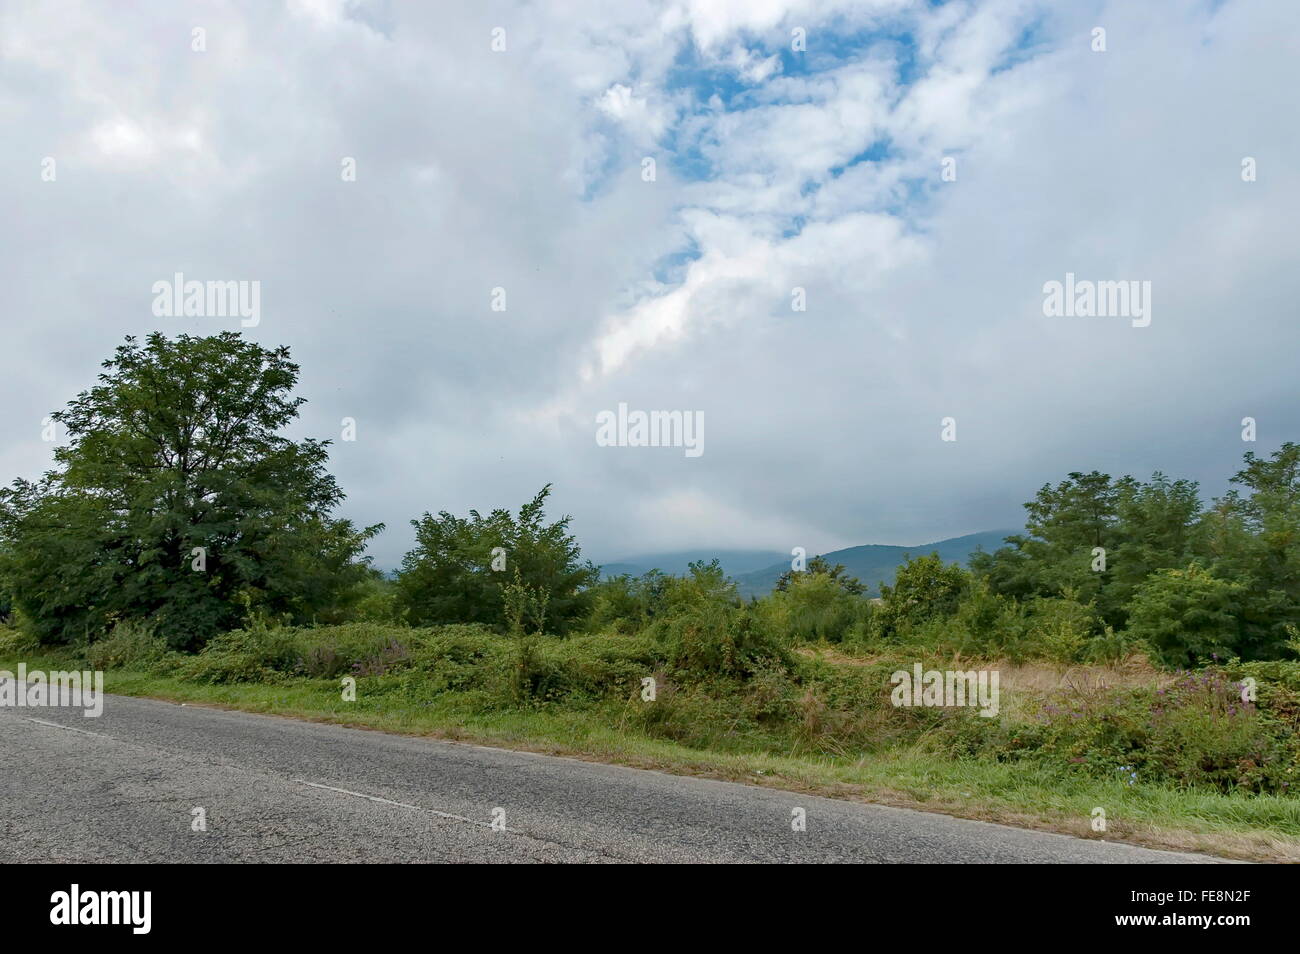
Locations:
{"points": [[874, 564], [756, 571], [733, 561]]}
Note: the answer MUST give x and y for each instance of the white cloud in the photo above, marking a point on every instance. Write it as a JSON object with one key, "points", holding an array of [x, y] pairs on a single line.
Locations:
{"points": [[521, 169], [645, 122]]}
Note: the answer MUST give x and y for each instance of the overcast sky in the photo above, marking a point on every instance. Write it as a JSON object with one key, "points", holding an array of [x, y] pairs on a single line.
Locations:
{"points": [[774, 169]]}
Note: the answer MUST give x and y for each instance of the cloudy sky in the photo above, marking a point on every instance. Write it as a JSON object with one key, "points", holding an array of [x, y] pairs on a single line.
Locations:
{"points": [[775, 168]]}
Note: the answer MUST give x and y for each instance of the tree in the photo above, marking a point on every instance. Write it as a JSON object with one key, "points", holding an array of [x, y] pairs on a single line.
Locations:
{"points": [[1065, 524], [628, 604], [1254, 539], [819, 606], [819, 565], [1187, 615], [177, 502], [924, 588], [6, 599], [1098, 538], [1156, 528], [460, 568]]}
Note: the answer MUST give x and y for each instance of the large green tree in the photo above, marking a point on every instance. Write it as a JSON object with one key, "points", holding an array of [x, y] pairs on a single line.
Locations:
{"points": [[1097, 538], [1165, 554], [1064, 524], [178, 502], [1253, 538], [460, 568]]}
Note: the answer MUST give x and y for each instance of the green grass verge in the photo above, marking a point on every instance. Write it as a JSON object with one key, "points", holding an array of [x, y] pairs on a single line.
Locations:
{"points": [[1255, 827]]}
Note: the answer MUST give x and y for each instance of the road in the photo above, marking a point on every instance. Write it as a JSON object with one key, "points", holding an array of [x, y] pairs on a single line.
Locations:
{"points": [[124, 787]]}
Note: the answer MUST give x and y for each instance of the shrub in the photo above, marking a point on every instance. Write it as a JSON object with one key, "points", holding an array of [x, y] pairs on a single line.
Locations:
{"points": [[924, 588], [129, 646], [1282, 672], [461, 658], [323, 662], [257, 654], [713, 639], [1058, 628], [718, 714], [681, 713], [581, 669], [1112, 647], [375, 600], [815, 606], [392, 656], [705, 584], [627, 604], [1196, 731], [18, 641], [1187, 616], [989, 624], [327, 652]]}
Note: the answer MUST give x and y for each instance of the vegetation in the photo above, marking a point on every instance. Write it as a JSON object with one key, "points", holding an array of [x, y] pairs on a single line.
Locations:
{"points": [[462, 569], [1161, 633], [176, 501], [1107, 541]]}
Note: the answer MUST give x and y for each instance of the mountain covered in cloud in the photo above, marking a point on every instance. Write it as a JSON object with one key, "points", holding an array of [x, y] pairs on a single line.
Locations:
{"points": [[756, 571]]}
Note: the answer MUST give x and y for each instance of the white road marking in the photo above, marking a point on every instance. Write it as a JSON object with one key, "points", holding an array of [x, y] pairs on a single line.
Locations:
{"points": [[56, 725], [328, 788], [386, 801]]}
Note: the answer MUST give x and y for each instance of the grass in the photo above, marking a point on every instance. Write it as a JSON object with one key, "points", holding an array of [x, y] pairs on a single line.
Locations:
{"points": [[1253, 827]]}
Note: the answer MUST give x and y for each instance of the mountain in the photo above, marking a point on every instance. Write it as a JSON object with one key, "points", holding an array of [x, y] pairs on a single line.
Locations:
{"points": [[734, 562], [756, 571], [874, 564]]}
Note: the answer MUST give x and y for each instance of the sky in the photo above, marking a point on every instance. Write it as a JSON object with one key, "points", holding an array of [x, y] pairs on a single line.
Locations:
{"points": [[913, 173]]}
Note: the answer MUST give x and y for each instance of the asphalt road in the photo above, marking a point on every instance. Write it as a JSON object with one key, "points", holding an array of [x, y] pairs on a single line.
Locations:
{"points": [[123, 787]]}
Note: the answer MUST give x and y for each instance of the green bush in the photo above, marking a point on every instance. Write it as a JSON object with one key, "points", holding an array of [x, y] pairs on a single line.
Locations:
{"points": [[989, 624], [1058, 628], [582, 669], [461, 658], [1112, 647], [360, 648], [1282, 672], [713, 639], [719, 713], [129, 646], [627, 604], [1187, 615], [816, 606], [924, 588], [1197, 731], [257, 654], [687, 714]]}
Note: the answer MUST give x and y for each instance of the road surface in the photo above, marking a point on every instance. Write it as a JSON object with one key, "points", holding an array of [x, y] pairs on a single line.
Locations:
{"points": [[125, 787]]}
